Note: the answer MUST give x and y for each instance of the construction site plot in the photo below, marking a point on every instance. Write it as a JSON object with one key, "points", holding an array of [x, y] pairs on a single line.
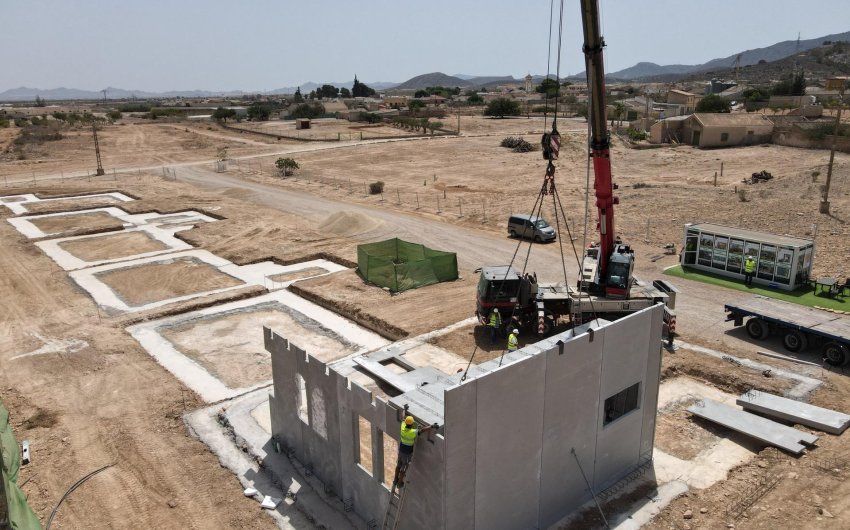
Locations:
{"points": [[30, 203], [219, 351]]}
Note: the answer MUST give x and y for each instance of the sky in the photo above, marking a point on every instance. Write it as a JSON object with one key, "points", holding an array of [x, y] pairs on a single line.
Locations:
{"points": [[258, 45]]}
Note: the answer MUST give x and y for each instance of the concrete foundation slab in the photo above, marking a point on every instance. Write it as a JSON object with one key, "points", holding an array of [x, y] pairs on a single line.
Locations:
{"points": [[203, 378], [20, 204], [818, 418], [91, 278], [762, 429], [28, 225]]}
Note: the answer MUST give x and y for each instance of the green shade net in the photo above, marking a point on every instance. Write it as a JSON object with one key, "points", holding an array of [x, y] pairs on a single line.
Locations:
{"points": [[399, 265], [13, 501]]}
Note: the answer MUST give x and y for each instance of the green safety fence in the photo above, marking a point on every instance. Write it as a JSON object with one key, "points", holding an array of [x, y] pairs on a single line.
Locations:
{"points": [[14, 510], [400, 265]]}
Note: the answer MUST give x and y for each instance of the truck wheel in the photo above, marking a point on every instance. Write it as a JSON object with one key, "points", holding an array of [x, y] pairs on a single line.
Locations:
{"points": [[794, 340], [835, 354], [757, 328]]}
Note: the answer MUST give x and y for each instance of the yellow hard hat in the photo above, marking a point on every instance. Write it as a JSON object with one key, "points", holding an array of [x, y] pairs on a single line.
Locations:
{"points": [[408, 420]]}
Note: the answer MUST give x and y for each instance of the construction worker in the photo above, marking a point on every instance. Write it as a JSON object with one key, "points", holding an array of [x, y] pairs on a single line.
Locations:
{"points": [[495, 324], [749, 269], [408, 434], [513, 343]]}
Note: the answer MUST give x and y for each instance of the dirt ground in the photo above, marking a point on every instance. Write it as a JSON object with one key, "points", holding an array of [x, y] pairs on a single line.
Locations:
{"points": [[112, 246], [66, 225], [152, 282], [111, 402], [62, 205]]}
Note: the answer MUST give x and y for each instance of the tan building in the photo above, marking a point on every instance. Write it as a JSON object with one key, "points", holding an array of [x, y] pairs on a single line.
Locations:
{"points": [[685, 99], [723, 130]]}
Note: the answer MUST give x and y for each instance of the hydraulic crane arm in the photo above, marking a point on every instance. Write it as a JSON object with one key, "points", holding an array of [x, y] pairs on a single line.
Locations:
{"points": [[612, 282]]}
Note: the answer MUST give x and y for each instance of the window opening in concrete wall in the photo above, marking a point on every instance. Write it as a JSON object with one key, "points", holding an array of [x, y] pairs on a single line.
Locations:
{"points": [[363, 454], [301, 398], [390, 458], [317, 412], [621, 403]]}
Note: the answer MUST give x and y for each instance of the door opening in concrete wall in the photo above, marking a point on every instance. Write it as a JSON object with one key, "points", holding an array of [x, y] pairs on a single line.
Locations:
{"points": [[301, 398], [621, 403], [363, 439], [390, 458]]}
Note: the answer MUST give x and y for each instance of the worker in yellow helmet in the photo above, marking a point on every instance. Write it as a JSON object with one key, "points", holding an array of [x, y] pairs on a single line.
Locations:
{"points": [[513, 342], [407, 440]]}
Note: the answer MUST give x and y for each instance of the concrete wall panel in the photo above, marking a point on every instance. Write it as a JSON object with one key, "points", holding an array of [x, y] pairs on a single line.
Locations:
{"points": [[509, 445], [570, 416], [461, 428], [624, 363]]}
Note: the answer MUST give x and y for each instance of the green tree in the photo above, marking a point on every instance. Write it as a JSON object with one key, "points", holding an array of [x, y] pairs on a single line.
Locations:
{"points": [[619, 111], [221, 114], [308, 110], [548, 87], [258, 111], [298, 97], [501, 107], [713, 103], [361, 90], [287, 166]]}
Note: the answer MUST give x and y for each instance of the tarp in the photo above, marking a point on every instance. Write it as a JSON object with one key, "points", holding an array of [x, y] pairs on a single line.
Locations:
{"points": [[13, 501], [400, 265]]}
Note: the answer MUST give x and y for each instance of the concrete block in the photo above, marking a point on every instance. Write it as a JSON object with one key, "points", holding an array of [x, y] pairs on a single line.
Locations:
{"points": [[822, 419], [761, 429]]}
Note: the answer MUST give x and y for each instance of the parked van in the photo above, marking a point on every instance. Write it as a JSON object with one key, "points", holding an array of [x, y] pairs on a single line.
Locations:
{"points": [[531, 227]]}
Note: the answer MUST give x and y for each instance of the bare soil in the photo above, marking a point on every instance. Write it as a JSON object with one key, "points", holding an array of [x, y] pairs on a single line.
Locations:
{"points": [[409, 313], [297, 275], [65, 225], [153, 282], [64, 205], [231, 346], [112, 246]]}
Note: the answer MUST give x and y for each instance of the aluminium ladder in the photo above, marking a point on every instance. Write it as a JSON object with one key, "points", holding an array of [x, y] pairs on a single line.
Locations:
{"points": [[393, 515]]}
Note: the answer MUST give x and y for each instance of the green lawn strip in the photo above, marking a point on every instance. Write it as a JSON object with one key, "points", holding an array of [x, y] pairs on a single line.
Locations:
{"points": [[803, 296]]}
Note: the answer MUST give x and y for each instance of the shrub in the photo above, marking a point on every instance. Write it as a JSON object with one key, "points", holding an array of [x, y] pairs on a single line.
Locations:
{"points": [[376, 187]]}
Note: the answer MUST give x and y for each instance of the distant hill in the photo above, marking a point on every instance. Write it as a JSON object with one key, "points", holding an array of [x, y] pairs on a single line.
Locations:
{"points": [[433, 79], [642, 71]]}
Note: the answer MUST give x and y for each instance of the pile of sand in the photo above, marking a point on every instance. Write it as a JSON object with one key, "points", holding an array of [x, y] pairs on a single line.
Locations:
{"points": [[348, 223]]}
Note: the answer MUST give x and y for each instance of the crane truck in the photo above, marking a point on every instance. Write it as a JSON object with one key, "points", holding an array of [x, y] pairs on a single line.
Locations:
{"points": [[606, 287]]}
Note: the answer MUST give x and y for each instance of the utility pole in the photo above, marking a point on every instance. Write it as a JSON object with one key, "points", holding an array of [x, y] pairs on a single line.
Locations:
{"points": [[824, 203], [97, 149]]}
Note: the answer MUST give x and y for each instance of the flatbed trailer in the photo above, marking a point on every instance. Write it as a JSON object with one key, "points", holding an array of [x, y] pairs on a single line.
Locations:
{"points": [[799, 326]]}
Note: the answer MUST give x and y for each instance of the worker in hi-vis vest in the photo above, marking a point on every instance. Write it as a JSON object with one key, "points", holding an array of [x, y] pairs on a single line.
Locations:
{"points": [[749, 269], [513, 343], [407, 440], [495, 324]]}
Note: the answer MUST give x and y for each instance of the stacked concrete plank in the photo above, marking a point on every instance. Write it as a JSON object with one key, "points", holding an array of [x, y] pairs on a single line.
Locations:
{"points": [[761, 429], [822, 419]]}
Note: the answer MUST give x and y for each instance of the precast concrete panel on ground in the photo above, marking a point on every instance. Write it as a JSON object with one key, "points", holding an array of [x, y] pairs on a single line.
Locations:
{"points": [[819, 418], [508, 446], [572, 380]]}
